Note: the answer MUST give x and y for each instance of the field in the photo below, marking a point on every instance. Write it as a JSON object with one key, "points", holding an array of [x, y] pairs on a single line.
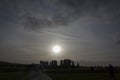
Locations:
{"points": [[82, 76], [12, 76], [60, 76]]}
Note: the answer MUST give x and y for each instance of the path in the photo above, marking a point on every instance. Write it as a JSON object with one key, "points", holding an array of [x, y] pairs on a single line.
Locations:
{"points": [[33, 75]]}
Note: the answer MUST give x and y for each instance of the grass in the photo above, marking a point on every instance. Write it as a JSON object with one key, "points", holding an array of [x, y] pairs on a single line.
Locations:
{"points": [[12, 75], [81, 76], [59, 76]]}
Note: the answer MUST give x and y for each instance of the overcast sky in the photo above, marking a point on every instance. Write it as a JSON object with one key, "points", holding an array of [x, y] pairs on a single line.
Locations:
{"points": [[87, 30]]}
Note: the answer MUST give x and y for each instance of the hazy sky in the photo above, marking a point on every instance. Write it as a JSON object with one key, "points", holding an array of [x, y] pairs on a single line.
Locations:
{"points": [[87, 30]]}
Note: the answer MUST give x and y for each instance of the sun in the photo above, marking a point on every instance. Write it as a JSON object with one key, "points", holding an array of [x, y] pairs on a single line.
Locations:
{"points": [[56, 49]]}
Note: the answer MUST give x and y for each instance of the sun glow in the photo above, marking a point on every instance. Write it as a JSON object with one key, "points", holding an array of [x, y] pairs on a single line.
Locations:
{"points": [[56, 49]]}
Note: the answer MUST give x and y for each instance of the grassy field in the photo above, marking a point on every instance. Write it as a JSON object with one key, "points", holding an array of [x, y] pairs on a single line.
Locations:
{"points": [[82, 76], [13, 75], [60, 76]]}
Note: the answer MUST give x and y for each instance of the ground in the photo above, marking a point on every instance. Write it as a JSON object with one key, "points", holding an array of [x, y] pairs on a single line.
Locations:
{"points": [[32, 75], [12, 75], [55, 76], [82, 76]]}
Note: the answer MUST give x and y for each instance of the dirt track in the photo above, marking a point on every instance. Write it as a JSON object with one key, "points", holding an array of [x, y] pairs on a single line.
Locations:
{"points": [[37, 76]]}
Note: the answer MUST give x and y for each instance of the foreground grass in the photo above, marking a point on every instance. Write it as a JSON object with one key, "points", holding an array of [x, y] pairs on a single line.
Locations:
{"points": [[59, 76], [13, 75], [81, 76]]}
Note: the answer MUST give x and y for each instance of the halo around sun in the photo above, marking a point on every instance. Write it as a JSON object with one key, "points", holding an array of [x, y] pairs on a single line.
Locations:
{"points": [[56, 49]]}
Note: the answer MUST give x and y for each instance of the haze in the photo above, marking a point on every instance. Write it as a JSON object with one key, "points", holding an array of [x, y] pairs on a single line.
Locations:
{"points": [[87, 30]]}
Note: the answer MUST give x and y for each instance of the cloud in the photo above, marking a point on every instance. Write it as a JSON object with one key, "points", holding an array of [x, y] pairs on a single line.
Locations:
{"points": [[118, 42], [63, 12], [54, 14], [40, 14], [35, 23], [32, 22]]}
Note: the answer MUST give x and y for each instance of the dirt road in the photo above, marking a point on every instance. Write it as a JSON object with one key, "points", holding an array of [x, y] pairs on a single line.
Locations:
{"points": [[33, 75]]}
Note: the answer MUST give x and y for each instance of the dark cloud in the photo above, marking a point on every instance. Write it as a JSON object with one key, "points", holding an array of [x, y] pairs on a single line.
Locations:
{"points": [[64, 12], [32, 22], [35, 23], [54, 13], [40, 14], [58, 16]]}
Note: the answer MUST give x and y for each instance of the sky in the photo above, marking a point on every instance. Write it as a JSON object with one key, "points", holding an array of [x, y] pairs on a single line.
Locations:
{"points": [[87, 30]]}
